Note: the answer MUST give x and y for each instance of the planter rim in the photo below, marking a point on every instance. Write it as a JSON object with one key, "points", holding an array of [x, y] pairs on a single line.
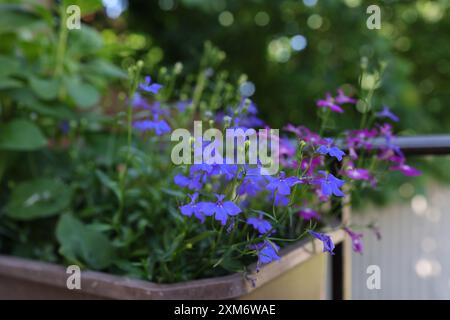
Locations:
{"points": [[108, 286]]}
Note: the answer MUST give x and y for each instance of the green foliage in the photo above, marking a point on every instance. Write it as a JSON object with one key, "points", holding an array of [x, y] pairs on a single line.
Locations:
{"points": [[79, 243], [21, 135], [38, 198]]}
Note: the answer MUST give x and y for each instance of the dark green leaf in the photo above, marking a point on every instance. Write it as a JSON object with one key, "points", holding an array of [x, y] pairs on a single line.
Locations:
{"points": [[21, 135], [44, 88], [80, 242], [84, 95], [38, 199]]}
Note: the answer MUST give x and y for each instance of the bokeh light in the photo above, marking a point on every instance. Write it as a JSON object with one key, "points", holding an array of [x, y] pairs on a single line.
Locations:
{"points": [[226, 18], [262, 18], [298, 42], [314, 21]]}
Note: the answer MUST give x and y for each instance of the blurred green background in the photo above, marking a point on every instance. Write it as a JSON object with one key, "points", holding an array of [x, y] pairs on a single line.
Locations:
{"points": [[295, 50]]}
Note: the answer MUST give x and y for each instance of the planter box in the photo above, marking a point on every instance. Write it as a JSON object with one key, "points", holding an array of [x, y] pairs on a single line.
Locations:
{"points": [[300, 274]]}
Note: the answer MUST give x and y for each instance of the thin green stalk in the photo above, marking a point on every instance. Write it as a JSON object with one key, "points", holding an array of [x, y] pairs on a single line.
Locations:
{"points": [[62, 42]]}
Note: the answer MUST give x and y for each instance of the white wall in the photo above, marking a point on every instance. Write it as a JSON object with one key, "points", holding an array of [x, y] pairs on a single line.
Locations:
{"points": [[414, 252]]}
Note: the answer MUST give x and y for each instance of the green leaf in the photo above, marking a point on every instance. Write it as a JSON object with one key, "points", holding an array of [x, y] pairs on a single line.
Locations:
{"points": [[38, 198], [80, 242], [21, 135], [26, 98], [14, 17], [84, 95], [8, 66], [110, 184], [104, 68], [84, 41], [46, 89], [7, 83]]}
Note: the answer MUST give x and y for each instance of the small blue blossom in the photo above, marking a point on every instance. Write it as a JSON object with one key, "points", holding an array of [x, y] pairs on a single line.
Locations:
{"points": [[267, 252], [159, 126], [194, 183], [386, 113], [282, 185], [328, 245], [331, 150], [221, 209], [229, 171], [202, 168], [193, 208], [263, 226], [147, 86], [330, 184], [183, 105]]}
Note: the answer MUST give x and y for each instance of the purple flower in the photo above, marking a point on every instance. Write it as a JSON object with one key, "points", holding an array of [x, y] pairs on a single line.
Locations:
{"points": [[159, 126], [263, 226], [357, 243], [221, 209], [304, 133], [330, 184], [147, 86], [267, 252], [183, 105], [282, 185], [280, 200], [309, 214], [331, 150], [341, 98], [406, 170], [329, 103], [358, 139], [310, 165], [386, 113], [358, 174], [328, 245], [64, 127], [250, 186], [229, 171], [194, 183], [200, 168], [139, 102], [193, 208]]}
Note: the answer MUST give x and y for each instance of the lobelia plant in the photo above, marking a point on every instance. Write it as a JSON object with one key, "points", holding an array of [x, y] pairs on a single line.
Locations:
{"points": [[232, 212], [124, 207]]}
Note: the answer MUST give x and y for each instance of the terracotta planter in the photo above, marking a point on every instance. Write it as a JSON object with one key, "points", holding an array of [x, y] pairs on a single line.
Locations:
{"points": [[299, 275]]}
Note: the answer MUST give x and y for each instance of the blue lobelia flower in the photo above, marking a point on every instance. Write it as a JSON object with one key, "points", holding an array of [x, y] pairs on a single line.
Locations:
{"points": [[229, 171], [221, 209], [328, 245], [200, 168], [194, 183], [330, 184], [280, 200], [267, 252], [331, 150], [193, 208], [159, 126], [282, 185], [386, 113], [147, 86], [263, 226], [357, 243]]}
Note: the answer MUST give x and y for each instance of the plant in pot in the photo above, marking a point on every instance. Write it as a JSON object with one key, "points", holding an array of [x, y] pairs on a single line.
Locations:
{"points": [[118, 189]]}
